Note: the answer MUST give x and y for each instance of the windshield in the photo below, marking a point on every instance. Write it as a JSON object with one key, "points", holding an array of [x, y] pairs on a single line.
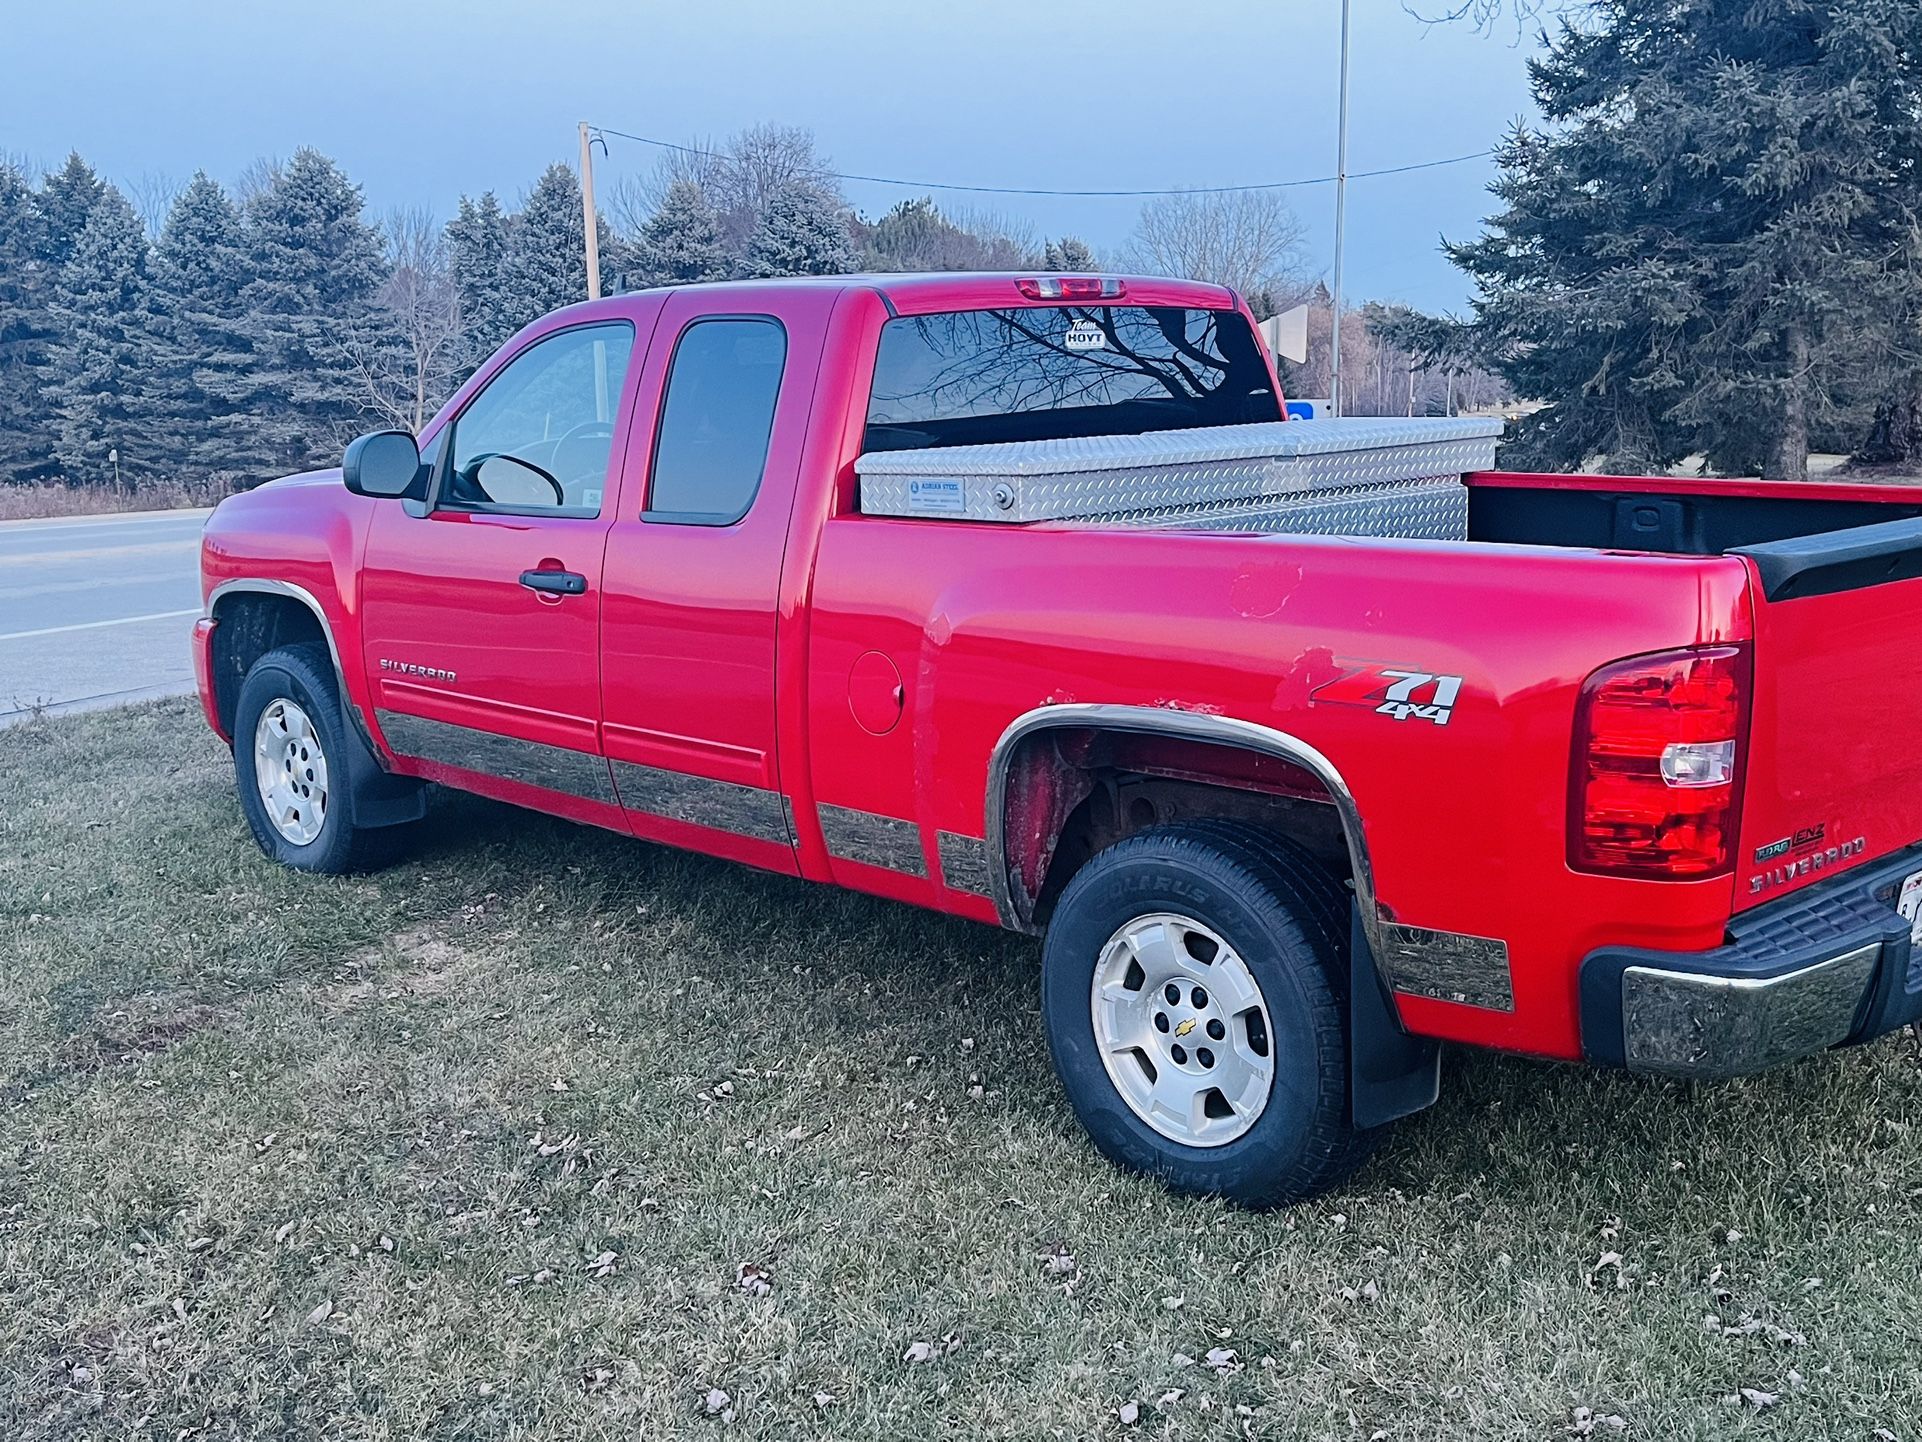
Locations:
{"points": [[1035, 373]]}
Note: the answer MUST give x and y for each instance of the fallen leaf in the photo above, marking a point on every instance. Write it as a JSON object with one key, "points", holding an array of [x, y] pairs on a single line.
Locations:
{"points": [[753, 1279], [321, 1313], [1129, 1413]]}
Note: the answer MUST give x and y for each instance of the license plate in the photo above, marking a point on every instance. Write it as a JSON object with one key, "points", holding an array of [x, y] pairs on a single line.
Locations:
{"points": [[1909, 902]]}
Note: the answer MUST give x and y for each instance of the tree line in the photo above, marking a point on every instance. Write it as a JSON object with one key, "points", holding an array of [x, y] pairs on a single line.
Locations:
{"points": [[260, 326], [205, 336]]}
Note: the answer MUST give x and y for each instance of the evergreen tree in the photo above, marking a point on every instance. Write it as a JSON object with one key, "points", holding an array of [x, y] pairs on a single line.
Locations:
{"points": [[477, 255], [314, 269], [801, 232], [1707, 247], [545, 264], [101, 362], [198, 269], [1067, 253], [67, 197], [681, 242], [26, 325]]}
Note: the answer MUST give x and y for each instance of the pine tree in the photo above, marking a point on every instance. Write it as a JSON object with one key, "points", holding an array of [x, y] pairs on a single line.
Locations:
{"points": [[545, 264], [101, 363], [1067, 253], [67, 197], [1707, 247], [477, 254], [314, 270], [26, 325], [198, 269], [801, 232], [681, 242]]}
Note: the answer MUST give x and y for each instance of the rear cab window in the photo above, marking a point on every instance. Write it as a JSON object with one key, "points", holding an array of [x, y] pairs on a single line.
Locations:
{"points": [[716, 420], [1029, 373]]}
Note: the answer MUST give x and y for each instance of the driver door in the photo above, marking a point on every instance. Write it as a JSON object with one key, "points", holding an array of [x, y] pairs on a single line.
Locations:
{"points": [[481, 609]]}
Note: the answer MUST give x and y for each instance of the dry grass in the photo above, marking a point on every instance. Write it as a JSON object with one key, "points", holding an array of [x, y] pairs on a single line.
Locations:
{"points": [[476, 1149], [35, 503]]}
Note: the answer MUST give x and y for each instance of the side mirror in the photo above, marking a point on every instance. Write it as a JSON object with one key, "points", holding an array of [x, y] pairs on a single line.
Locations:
{"points": [[383, 464]]}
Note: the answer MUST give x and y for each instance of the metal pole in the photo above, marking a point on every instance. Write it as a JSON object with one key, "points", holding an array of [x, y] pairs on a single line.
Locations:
{"points": [[1341, 218], [588, 227]]}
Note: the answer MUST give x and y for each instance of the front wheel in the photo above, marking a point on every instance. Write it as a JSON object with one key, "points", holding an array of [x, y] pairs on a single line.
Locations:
{"points": [[291, 766], [1192, 985]]}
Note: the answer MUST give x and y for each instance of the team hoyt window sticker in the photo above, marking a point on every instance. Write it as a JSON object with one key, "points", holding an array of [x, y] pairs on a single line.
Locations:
{"points": [[1400, 693]]}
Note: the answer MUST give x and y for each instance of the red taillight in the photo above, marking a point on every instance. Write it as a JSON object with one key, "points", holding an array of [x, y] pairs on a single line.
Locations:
{"points": [[1071, 287], [1657, 776]]}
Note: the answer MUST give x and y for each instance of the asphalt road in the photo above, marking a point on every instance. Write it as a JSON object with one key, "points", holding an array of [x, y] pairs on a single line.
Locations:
{"points": [[96, 610]]}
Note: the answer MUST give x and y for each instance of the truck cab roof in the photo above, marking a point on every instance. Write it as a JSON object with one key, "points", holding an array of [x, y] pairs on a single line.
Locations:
{"points": [[926, 292]]}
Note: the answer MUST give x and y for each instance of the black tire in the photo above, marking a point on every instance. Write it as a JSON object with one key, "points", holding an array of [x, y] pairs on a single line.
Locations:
{"points": [[304, 674], [1287, 917]]}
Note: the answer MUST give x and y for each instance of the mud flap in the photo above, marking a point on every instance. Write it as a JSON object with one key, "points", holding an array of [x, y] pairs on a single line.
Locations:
{"points": [[376, 796], [1391, 1074]]}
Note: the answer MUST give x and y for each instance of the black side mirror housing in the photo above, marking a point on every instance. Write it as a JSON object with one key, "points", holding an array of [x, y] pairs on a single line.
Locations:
{"points": [[385, 465]]}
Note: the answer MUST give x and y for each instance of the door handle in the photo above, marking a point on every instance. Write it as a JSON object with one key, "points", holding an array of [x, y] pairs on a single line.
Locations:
{"points": [[555, 583]]}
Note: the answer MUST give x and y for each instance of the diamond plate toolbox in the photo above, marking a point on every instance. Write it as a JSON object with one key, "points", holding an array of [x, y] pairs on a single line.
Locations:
{"points": [[1357, 475]]}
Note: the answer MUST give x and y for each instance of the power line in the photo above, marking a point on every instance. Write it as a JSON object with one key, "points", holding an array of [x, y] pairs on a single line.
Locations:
{"points": [[1038, 190]]}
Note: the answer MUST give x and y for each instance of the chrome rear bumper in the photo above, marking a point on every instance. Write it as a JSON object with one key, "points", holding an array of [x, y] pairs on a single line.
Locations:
{"points": [[1829, 965]]}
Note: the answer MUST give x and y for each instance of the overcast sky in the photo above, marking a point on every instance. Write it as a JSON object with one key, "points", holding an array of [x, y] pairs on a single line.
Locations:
{"points": [[421, 100]]}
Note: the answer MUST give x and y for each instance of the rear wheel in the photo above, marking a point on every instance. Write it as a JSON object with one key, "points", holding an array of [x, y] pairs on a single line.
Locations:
{"points": [[1192, 983], [291, 766]]}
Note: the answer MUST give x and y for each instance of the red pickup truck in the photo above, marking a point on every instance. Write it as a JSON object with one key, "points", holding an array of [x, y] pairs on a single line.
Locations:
{"points": [[1625, 769]]}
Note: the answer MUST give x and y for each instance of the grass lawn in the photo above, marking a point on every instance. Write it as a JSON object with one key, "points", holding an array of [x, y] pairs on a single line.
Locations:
{"points": [[478, 1148]]}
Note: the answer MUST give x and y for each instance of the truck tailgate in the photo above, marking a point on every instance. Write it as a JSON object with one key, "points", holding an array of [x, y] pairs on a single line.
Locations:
{"points": [[1834, 771]]}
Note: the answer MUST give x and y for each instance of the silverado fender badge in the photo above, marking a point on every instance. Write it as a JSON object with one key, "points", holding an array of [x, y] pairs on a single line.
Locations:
{"points": [[1398, 692], [409, 668]]}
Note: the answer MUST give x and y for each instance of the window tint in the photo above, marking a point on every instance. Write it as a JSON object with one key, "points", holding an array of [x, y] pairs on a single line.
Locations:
{"points": [[1038, 372], [716, 419], [540, 435]]}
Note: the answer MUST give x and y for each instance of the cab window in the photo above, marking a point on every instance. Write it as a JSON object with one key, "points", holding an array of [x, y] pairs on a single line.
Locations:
{"points": [[539, 437], [716, 419]]}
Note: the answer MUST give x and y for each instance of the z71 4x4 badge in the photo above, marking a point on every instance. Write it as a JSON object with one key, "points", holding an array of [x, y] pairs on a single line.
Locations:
{"points": [[1400, 693]]}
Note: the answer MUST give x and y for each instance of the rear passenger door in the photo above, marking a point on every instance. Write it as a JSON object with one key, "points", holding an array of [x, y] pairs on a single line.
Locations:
{"points": [[690, 618]]}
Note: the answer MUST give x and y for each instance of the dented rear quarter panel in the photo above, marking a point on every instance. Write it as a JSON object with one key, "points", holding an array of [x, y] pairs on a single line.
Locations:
{"points": [[1464, 821]]}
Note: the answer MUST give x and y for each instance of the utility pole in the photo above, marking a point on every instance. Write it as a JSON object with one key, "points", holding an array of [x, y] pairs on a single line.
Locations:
{"points": [[1341, 217], [588, 227]]}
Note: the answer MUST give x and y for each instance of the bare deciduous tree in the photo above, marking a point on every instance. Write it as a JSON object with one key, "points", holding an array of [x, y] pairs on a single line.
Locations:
{"points": [[407, 359], [764, 161], [1248, 239], [152, 194], [256, 178], [739, 177], [1483, 14]]}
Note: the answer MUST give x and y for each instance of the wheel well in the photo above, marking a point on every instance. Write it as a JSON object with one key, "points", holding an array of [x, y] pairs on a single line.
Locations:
{"points": [[251, 625], [1072, 791]]}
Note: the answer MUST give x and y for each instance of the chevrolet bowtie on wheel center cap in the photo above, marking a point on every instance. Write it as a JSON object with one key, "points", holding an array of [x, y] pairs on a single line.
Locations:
{"points": [[290, 768], [1183, 1030]]}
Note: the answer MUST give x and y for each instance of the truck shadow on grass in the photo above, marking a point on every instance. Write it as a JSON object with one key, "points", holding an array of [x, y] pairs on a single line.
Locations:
{"points": [[918, 982]]}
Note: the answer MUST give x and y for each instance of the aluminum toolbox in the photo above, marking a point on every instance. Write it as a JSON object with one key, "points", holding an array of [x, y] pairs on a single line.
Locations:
{"points": [[1353, 476]]}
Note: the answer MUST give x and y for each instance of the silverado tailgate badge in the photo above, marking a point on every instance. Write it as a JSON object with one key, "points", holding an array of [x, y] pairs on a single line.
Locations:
{"points": [[1400, 693]]}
